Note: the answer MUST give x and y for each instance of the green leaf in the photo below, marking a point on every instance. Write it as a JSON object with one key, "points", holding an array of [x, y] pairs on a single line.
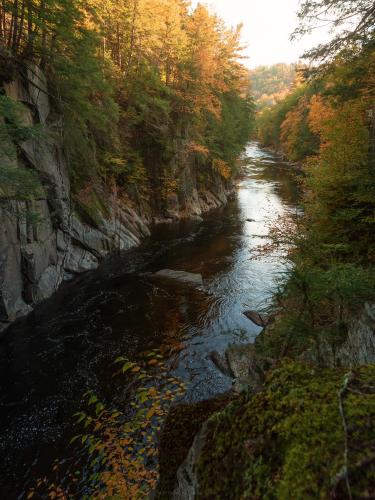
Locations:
{"points": [[120, 359], [127, 366], [92, 400], [74, 439]]}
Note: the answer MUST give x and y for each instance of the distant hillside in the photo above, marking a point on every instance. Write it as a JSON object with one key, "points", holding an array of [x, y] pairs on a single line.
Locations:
{"points": [[271, 83]]}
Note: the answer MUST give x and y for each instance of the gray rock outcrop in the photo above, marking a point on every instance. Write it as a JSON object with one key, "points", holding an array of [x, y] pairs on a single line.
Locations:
{"points": [[45, 242], [359, 347], [187, 478]]}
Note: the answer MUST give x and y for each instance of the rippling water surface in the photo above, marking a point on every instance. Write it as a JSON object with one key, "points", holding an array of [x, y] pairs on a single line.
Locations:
{"points": [[49, 359]]}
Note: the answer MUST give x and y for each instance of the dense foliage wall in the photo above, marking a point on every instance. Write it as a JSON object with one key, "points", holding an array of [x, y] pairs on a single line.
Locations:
{"points": [[327, 125]]}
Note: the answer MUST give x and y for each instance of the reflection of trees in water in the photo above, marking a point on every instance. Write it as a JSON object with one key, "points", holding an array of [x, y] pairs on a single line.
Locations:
{"points": [[285, 177], [172, 313]]}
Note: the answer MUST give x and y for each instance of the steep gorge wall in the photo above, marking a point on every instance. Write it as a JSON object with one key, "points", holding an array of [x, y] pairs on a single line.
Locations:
{"points": [[44, 242]]}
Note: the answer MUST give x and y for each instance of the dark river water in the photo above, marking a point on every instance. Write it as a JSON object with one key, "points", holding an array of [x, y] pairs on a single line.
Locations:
{"points": [[68, 344]]}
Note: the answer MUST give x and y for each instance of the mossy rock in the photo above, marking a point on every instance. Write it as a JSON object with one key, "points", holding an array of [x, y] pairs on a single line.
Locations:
{"points": [[183, 423], [288, 441], [91, 209]]}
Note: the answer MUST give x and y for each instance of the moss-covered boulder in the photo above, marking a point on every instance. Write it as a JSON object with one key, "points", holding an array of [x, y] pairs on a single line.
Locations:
{"points": [[307, 434], [182, 424]]}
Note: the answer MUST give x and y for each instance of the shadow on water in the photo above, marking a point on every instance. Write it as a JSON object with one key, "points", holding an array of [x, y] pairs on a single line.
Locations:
{"points": [[68, 344]]}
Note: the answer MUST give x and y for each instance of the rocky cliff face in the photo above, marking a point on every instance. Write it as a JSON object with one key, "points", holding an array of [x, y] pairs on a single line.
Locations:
{"points": [[359, 346], [44, 242]]}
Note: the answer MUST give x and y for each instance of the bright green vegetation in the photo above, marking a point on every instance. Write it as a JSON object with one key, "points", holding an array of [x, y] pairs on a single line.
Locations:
{"points": [[16, 182], [292, 441]]}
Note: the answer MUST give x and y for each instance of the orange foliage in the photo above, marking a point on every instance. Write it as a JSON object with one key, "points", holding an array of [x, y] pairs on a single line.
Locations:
{"points": [[342, 130], [121, 445], [214, 51], [222, 168], [291, 128], [320, 114], [198, 148]]}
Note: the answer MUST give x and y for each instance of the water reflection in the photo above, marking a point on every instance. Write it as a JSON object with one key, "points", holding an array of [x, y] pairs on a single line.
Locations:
{"points": [[67, 345]]}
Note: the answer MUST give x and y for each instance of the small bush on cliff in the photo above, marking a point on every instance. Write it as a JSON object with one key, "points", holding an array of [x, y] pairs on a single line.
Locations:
{"points": [[307, 434], [90, 207], [16, 182]]}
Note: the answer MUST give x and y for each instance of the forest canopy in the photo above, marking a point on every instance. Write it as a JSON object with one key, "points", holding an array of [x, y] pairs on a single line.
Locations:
{"points": [[270, 84], [132, 79]]}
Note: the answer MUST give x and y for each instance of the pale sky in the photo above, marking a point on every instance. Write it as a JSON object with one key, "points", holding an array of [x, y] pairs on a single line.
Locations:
{"points": [[267, 25]]}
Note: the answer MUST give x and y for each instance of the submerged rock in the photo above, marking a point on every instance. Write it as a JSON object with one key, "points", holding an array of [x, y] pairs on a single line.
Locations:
{"points": [[181, 276], [221, 362]]}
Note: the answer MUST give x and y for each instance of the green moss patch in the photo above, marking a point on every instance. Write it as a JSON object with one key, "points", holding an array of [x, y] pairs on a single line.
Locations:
{"points": [[289, 440], [91, 209]]}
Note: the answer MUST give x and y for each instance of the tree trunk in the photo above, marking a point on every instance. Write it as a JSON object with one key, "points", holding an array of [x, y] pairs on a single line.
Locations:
{"points": [[20, 29]]}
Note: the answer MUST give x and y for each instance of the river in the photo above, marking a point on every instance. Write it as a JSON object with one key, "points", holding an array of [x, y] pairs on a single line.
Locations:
{"points": [[68, 344]]}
